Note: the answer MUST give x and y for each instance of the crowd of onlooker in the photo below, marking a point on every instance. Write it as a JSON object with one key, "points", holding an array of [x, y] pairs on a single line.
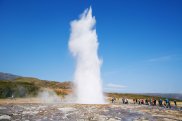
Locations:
{"points": [[152, 101]]}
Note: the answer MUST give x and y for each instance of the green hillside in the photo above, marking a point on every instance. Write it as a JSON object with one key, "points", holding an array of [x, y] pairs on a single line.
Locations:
{"points": [[28, 87]]}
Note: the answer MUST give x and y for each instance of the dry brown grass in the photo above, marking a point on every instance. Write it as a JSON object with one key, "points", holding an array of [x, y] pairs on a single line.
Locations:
{"points": [[63, 91], [20, 100]]}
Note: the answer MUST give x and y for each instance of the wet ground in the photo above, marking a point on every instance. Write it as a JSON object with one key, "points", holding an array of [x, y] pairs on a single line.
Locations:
{"points": [[78, 112]]}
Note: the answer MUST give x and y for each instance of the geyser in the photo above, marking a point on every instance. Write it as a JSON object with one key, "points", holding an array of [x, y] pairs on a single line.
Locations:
{"points": [[83, 45]]}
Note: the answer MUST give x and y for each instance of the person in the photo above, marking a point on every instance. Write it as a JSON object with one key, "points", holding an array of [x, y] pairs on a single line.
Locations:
{"points": [[146, 102], [139, 102], [175, 103], [133, 101], [154, 102], [123, 100], [112, 100], [136, 100], [167, 103], [164, 103], [160, 102], [126, 101], [142, 102], [151, 103]]}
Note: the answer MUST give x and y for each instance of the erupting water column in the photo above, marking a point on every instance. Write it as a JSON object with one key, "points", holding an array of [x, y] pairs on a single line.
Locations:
{"points": [[83, 45]]}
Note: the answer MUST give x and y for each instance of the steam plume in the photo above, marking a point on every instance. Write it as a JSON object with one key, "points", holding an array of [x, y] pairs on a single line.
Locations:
{"points": [[83, 45]]}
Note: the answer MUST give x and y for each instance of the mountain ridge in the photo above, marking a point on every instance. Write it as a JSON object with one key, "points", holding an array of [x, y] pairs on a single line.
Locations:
{"points": [[8, 76]]}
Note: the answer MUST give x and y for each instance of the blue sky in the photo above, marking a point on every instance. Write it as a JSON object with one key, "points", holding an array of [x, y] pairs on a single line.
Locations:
{"points": [[140, 41]]}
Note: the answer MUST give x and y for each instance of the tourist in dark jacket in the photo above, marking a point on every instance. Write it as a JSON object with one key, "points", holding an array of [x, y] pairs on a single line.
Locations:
{"points": [[160, 102], [155, 102]]}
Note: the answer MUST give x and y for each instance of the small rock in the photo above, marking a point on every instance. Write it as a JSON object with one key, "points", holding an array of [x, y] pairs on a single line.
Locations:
{"points": [[5, 118], [2, 108]]}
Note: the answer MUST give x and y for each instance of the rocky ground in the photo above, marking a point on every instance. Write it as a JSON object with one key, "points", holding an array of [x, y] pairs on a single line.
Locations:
{"points": [[79, 112]]}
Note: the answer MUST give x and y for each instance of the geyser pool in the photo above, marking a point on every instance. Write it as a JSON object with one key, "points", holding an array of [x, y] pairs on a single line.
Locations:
{"points": [[83, 45]]}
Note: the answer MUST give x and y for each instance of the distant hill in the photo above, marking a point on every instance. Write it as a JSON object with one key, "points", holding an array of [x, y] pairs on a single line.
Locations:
{"points": [[166, 95], [144, 96], [7, 76], [41, 83], [27, 86]]}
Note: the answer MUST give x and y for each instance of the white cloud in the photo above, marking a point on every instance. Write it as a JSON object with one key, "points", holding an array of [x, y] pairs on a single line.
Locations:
{"points": [[162, 58], [111, 85], [114, 87]]}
